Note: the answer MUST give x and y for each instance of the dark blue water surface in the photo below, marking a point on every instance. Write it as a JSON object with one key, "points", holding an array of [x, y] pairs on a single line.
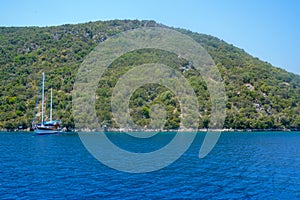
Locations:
{"points": [[242, 165]]}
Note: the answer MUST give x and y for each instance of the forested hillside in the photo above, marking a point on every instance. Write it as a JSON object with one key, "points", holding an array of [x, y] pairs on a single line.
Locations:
{"points": [[260, 96]]}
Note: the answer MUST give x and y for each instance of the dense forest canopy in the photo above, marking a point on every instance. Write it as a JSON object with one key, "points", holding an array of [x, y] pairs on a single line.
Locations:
{"points": [[259, 96]]}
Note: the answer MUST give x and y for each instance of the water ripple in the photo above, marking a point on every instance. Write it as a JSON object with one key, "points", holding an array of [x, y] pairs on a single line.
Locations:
{"points": [[242, 165]]}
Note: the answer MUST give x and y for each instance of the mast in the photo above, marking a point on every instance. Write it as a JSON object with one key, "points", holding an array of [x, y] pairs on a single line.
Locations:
{"points": [[43, 92], [51, 107]]}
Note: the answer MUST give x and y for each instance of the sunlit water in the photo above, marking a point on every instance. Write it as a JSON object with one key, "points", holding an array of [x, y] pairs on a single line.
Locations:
{"points": [[242, 165]]}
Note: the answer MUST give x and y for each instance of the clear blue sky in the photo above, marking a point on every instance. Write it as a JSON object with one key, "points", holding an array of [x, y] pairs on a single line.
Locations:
{"points": [[267, 29]]}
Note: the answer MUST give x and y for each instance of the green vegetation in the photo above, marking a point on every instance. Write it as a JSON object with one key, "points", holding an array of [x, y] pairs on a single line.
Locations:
{"points": [[260, 96]]}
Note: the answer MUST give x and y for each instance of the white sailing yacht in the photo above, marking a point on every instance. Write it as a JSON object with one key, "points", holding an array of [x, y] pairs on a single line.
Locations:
{"points": [[47, 127]]}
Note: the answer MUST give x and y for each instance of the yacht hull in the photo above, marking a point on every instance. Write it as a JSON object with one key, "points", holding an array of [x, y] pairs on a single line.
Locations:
{"points": [[43, 131]]}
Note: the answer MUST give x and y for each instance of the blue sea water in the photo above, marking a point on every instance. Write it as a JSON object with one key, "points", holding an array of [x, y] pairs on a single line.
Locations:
{"points": [[242, 165]]}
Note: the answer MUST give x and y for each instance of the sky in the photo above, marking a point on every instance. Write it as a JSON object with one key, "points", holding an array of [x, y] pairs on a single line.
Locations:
{"points": [[267, 29]]}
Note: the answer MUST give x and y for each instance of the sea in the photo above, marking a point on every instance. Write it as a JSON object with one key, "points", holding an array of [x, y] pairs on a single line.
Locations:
{"points": [[242, 165]]}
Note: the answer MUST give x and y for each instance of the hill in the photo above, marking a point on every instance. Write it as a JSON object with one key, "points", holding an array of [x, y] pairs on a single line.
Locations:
{"points": [[260, 96]]}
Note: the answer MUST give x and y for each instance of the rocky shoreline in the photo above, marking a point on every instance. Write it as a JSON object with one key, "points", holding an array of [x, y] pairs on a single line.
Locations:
{"points": [[120, 130]]}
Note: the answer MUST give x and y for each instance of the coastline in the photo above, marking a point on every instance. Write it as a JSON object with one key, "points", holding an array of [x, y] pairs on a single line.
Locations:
{"points": [[119, 130]]}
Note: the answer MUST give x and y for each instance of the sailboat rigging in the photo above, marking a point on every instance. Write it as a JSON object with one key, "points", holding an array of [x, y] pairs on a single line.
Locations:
{"points": [[47, 127]]}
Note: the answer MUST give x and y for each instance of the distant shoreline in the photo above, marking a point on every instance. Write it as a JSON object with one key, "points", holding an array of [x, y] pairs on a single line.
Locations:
{"points": [[114, 130]]}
